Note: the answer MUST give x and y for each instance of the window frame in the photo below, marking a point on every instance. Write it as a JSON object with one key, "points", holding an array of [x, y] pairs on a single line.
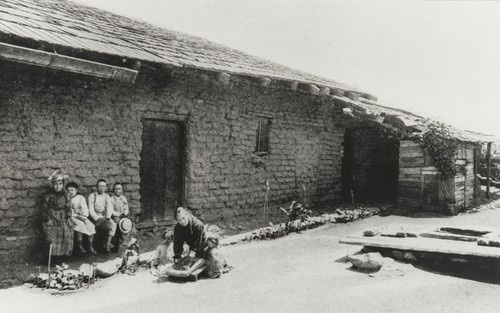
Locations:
{"points": [[262, 146]]}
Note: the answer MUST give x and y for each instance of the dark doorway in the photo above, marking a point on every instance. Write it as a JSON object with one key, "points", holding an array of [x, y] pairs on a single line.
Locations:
{"points": [[370, 164], [161, 169]]}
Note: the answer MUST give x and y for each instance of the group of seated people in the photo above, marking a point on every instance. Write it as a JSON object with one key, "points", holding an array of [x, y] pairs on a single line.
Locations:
{"points": [[67, 216]]}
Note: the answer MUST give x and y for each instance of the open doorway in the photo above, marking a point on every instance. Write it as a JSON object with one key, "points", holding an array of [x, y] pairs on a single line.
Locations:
{"points": [[370, 164]]}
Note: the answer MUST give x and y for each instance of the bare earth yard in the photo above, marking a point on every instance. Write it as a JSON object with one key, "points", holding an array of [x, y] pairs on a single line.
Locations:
{"points": [[298, 273]]}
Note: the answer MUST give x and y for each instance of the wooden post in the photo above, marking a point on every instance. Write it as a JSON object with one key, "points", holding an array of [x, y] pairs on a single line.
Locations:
{"points": [[48, 265], [488, 169], [475, 174]]}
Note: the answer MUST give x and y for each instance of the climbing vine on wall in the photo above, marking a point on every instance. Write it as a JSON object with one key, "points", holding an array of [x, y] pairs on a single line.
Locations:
{"points": [[442, 147]]}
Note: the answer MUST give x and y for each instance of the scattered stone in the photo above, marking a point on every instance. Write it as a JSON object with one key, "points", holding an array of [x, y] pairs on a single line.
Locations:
{"points": [[86, 270], [410, 257], [372, 261], [494, 243], [370, 233], [397, 255], [108, 268], [394, 269], [483, 242]]}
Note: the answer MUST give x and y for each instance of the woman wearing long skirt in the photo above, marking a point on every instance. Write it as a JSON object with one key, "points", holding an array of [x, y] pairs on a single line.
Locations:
{"points": [[56, 218]]}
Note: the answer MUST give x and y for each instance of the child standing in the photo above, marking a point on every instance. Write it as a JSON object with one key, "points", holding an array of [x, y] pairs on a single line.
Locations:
{"points": [[80, 217]]}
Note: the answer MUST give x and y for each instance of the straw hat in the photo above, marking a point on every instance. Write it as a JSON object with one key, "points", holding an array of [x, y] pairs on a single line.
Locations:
{"points": [[125, 225], [57, 175]]}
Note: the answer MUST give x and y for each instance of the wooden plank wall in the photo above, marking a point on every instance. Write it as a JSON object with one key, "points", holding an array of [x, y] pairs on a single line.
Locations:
{"points": [[414, 165], [411, 162], [465, 181]]}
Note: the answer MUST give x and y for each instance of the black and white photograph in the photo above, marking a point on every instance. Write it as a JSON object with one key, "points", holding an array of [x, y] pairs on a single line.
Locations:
{"points": [[249, 156]]}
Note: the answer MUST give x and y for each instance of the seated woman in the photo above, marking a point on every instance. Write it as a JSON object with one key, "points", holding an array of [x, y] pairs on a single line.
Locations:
{"points": [[80, 217]]}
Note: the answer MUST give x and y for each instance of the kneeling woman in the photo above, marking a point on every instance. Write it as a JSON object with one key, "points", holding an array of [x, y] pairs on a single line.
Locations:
{"points": [[188, 230], [204, 244]]}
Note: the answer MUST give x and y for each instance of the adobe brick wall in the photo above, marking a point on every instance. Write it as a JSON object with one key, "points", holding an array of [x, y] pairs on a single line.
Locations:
{"points": [[92, 128]]}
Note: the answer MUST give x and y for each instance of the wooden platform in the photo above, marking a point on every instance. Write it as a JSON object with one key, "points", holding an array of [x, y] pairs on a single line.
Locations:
{"points": [[433, 240]]}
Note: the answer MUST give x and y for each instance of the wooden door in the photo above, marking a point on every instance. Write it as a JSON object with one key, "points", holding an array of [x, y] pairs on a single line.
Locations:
{"points": [[430, 191], [161, 169]]}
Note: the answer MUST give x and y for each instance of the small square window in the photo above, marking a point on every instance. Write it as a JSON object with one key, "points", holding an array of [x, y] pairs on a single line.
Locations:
{"points": [[263, 128]]}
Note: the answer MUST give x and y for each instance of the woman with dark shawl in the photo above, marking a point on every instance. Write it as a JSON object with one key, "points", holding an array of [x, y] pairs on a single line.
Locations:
{"points": [[203, 241], [56, 217]]}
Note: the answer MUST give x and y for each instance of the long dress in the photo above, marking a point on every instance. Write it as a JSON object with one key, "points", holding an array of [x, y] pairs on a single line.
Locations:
{"points": [[60, 234], [81, 215]]}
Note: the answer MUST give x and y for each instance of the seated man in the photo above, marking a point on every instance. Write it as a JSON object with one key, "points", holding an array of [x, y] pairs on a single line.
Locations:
{"points": [[120, 209], [100, 210]]}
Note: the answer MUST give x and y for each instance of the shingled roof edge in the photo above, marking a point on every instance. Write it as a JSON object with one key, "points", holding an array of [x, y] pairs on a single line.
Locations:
{"points": [[259, 67]]}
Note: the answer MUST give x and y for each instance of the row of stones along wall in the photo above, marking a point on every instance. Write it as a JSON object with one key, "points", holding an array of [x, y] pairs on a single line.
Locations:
{"points": [[91, 128]]}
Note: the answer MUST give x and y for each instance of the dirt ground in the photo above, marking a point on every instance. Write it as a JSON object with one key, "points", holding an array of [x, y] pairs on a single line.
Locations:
{"points": [[298, 273]]}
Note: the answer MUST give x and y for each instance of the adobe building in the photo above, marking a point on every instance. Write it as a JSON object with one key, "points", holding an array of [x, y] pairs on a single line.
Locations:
{"points": [[177, 119]]}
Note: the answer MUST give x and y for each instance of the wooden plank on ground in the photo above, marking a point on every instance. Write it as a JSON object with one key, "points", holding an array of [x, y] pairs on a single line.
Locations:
{"points": [[469, 231], [448, 236], [425, 245]]}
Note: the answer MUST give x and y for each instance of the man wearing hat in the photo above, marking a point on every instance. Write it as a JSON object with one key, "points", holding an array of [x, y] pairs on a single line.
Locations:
{"points": [[56, 217]]}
